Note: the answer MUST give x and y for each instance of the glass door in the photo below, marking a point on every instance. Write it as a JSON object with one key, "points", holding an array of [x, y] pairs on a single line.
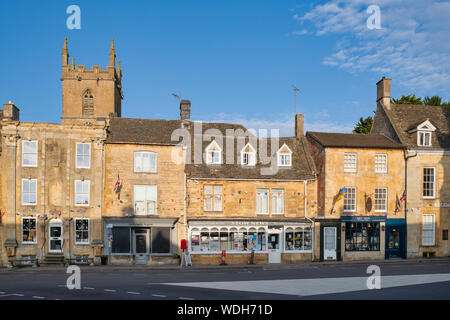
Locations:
{"points": [[55, 238]]}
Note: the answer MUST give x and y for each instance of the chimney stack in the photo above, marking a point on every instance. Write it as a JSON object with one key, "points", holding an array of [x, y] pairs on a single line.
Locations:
{"points": [[384, 92], [299, 125], [185, 110], [10, 112]]}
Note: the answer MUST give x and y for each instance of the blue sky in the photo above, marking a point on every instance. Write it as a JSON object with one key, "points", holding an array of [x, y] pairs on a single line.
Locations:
{"points": [[235, 60]]}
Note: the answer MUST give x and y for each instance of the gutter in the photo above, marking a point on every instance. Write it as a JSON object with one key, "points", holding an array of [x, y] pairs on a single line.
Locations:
{"points": [[312, 223]]}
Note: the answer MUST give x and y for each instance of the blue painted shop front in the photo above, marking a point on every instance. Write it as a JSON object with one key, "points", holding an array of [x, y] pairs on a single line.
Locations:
{"points": [[395, 239]]}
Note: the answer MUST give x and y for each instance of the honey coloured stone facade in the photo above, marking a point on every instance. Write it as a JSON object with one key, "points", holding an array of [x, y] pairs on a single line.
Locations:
{"points": [[157, 218], [425, 132], [42, 192], [361, 182]]}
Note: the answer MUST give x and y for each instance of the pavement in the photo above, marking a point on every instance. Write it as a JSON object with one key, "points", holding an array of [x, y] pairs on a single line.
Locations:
{"points": [[400, 279]]}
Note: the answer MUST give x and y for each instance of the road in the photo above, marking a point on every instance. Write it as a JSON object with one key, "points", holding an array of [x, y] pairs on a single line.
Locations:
{"points": [[402, 280]]}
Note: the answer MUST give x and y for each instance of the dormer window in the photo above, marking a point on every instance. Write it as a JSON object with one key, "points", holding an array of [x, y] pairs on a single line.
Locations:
{"points": [[424, 133], [284, 156], [248, 155], [424, 139], [213, 153]]}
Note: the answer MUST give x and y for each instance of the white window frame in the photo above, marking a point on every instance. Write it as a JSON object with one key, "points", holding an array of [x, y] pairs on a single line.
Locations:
{"points": [[82, 155], [35, 193], [377, 163], [251, 156], [88, 193], [31, 153], [152, 169], [88, 231], [434, 183], [426, 228], [36, 228], [281, 155], [267, 194], [212, 196], [354, 167], [156, 200], [355, 199], [424, 134], [385, 200], [275, 192], [209, 154]]}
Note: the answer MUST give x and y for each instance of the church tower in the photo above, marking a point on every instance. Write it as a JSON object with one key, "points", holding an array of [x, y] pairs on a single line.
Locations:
{"points": [[91, 93]]}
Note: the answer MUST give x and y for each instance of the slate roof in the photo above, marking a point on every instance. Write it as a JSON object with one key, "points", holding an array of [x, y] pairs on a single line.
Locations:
{"points": [[353, 140], [404, 117], [158, 132]]}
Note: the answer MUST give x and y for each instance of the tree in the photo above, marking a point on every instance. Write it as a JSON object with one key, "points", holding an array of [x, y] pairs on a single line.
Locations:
{"points": [[433, 101], [409, 99], [364, 125]]}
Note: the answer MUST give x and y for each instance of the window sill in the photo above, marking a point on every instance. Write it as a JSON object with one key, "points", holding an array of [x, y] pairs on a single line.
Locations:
{"points": [[82, 244], [29, 204], [28, 243], [262, 214], [81, 205]]}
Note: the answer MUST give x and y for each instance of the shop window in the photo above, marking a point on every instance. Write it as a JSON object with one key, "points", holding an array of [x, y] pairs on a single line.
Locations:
{"points": [[428, 230], [145, 198], [29, 153], [216, 240], [29, 192], [277, 201], [121, 240], [145, 161], [362, 236], [298, 239], [262, 201], [82, 192], [160, 240], [81, 231], [212, 198], [29, 234], [83, 155]]}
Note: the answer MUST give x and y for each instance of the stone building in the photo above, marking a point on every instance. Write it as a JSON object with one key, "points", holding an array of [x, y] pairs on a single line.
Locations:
{"points": [[144, 191], [425, 131], [360, 183], [248, 194], [52, 174]]}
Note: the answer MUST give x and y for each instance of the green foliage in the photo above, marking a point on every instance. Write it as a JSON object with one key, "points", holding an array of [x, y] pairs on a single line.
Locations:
{"points": [[409, 99], [364, 125], [433, 101], [427, 101]]}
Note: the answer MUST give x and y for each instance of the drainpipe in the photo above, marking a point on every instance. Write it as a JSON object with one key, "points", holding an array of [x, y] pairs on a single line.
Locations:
{"points": [[312, 223], [406, 200]]}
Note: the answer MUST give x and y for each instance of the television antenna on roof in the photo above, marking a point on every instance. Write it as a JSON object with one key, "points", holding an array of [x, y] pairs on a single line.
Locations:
{"points": [[295, 98]]}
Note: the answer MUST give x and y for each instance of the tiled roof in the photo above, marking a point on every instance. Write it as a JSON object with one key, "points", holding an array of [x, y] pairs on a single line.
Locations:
{"points": [[353, 140], [154, 131], [405, 117]]}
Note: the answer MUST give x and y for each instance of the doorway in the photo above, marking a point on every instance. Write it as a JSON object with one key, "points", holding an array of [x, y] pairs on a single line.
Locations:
{"points": [[141, 245], [329, 245], [55, 236], [395, 238], [274, 245]]}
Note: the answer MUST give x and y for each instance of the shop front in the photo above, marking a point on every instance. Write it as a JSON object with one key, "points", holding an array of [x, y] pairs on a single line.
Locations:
{"points": [[243, 241], [140, 240], [364, 237]]}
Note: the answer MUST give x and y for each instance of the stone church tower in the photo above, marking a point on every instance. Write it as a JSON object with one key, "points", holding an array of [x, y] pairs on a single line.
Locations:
{"points": [[91, 93]]}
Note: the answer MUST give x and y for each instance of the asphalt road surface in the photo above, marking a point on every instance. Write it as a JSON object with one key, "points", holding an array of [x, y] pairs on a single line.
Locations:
{"points": [[424, 280]]}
